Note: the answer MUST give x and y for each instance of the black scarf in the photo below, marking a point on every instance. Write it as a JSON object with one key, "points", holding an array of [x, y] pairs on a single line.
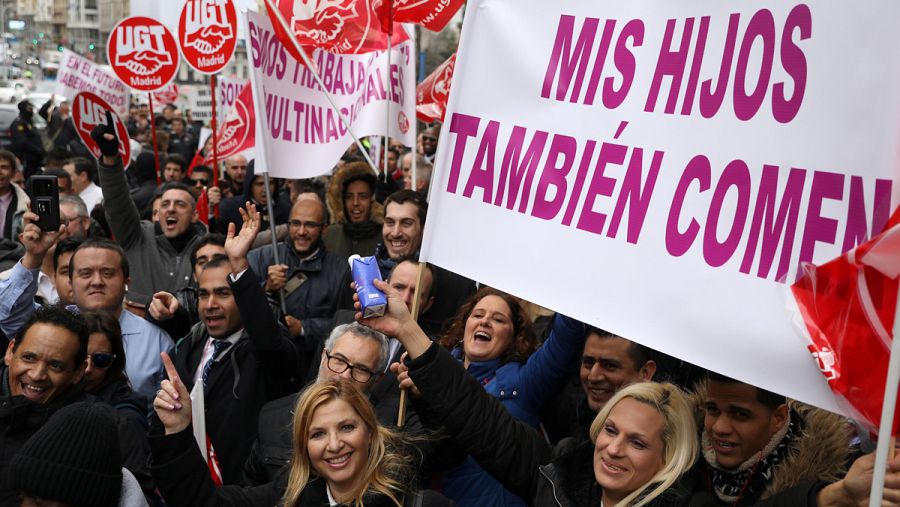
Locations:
{"points": [[362, 230], [181, 241], [749, 480]]}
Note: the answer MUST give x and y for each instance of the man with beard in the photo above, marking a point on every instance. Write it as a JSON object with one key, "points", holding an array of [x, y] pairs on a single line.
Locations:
{"points": [[309, 276], [404, 220], [351, 196]]}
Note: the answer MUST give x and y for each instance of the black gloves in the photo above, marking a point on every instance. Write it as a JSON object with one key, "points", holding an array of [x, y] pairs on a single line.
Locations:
{"points": [[108, 147]]}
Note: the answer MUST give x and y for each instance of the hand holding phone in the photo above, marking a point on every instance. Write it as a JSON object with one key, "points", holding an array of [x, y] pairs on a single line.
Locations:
{"points": [[45, 201]]}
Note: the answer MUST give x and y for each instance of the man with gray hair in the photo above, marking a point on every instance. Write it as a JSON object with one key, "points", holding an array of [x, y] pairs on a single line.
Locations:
{"points": [[352, 352], [423, 172], [73, 213]]}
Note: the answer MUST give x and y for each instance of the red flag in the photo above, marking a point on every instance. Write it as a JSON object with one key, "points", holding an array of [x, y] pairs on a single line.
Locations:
{"points": [[237, 133], [432, 93], [848, 308], [432, 14], [197, 160], [213, 463], [203, 207], [339, 26]]}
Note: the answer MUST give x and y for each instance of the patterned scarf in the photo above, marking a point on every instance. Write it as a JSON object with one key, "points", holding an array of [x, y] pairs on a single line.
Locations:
{"points": [[750, 479]]}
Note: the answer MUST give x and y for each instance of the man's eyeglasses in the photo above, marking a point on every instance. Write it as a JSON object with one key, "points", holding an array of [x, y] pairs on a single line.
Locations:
{"points": [[308, 224], [102, 359], [200, 182], [358, 373], [429, 138], [67, 220]]}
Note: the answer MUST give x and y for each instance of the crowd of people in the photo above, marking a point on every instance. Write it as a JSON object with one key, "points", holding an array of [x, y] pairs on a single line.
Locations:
{"points": [[144, 302]]}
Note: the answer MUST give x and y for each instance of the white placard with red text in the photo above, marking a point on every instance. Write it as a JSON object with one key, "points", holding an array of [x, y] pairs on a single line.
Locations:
{"points": [[78, 74], [302, 135], [601, 160]]}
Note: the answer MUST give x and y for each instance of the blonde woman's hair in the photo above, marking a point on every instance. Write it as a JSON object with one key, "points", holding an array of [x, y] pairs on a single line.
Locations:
{"points": [[387, 471], [679, 436]]}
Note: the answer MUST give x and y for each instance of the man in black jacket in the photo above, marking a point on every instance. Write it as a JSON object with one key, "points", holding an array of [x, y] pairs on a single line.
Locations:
{"points": [[237, 350], [26, 142]]}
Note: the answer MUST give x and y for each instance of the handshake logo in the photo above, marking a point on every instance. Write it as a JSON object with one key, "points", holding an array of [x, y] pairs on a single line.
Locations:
{"points": [[141, 49], [206, 26]]}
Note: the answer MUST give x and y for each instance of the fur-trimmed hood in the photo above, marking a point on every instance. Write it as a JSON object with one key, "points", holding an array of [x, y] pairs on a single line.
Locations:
{"points": [[821, 450], [335, 198]]}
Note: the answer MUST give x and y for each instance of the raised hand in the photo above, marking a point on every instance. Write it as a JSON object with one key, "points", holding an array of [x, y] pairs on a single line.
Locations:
{"points": [[237, 245], [106, 138], [36, 241], [163, 306], [173, 401], [396, 321]]}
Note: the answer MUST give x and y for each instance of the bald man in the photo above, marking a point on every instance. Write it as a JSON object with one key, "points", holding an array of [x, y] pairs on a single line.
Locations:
{"points": [[310, 277]]}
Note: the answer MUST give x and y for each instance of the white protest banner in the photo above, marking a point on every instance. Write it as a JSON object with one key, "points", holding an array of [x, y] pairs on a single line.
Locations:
{"points": [[78, 74], [300, 132], [659, 169]]}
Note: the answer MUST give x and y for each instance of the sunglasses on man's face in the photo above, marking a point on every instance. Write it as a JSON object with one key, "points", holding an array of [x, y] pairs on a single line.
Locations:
{"points": [[102, 359], [200, 182]]}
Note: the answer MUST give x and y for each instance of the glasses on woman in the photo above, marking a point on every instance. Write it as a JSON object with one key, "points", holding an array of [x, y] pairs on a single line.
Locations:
{"points": [[102, 359], [358, 373]]}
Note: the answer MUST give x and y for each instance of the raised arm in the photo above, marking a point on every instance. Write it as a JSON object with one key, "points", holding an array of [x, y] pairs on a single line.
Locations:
{"points": [[271, 342], [547, 370], [124, 218]]}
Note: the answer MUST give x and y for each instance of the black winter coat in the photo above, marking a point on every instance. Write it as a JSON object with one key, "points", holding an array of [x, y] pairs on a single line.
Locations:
{"points": [[510, 450]]}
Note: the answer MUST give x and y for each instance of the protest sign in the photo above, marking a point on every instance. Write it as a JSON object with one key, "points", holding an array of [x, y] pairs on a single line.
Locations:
{"points": [[88, 111], [660, 169], [142, 53], [302, 135], [207, 34], [78, 74]]}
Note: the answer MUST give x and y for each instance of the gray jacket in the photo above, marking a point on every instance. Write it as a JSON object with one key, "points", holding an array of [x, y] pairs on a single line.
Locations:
{"points": [[154, 263]]}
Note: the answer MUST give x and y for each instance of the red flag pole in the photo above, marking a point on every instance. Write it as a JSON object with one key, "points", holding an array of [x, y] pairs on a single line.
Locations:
{"points": [[155, 146], [388, 5], [212, 86]]}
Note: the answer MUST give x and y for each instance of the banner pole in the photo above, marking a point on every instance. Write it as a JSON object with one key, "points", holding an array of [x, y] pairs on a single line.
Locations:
{"points": [[415, 146], [270, 204], [401, 413], [153, 132], [318, 78], [888, 408], [215, 147], [387, 116]]}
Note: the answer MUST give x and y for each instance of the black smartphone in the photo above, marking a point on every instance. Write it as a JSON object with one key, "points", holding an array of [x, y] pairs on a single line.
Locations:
{"points": [[45, 201]]}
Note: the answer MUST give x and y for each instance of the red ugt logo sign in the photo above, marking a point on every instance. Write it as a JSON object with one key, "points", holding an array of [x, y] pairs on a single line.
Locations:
{"points": [[142, 53], [207, 33]]}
